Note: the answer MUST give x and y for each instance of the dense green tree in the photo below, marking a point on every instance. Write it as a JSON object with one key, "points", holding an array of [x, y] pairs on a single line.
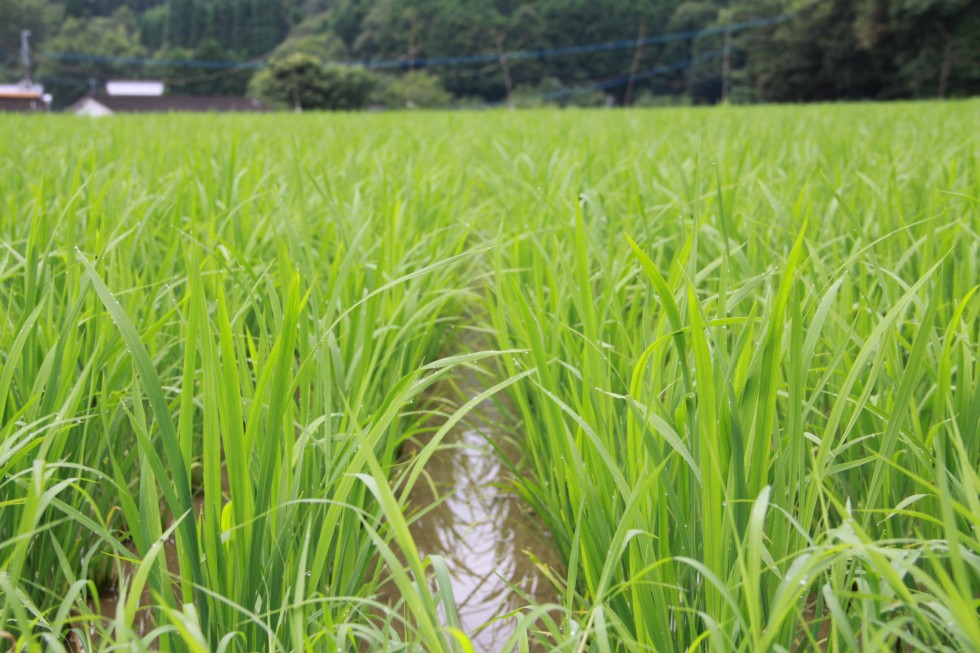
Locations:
{"points": [[817, 56], [254, 27], [389, 29], [313, 36], [184, 80], [932, 46], [113, 36], [831, 49], [302, 82], [565, 24], [180, 23], [153, 27], [39, 16], [752, 50], [91, 8], [417, 90], [688, 16], [346, 17], [456, 30], [267, 27]]}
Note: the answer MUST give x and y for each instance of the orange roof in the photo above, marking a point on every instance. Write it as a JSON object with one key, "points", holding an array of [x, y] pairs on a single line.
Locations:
{"points": [[25, 95]]}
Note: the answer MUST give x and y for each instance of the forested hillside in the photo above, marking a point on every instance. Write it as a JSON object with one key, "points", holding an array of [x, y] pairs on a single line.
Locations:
{"points": [[827, 50]]}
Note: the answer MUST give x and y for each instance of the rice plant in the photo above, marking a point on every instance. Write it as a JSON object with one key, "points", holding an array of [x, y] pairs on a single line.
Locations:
{"points": [[737, 346], [754, 419]]}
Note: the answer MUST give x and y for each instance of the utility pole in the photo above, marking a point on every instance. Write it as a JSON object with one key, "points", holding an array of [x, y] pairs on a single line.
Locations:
{"points": [[948, 53], [637, 54], [297, 105], [410, 67], [505, 67], [726, 62], [25, 56]]}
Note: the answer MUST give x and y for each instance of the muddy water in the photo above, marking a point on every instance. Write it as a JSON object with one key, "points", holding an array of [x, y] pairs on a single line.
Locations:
{"points": [[483, 531], [109, 601]]}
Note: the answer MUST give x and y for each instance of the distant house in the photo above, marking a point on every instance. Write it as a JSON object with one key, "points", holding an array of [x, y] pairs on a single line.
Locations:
{"points": [[105, 105], [23, 98], [146, 96]]}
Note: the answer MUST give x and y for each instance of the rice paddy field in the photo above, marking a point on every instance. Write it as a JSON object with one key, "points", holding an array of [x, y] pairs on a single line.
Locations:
{"points": [[736, 350]]}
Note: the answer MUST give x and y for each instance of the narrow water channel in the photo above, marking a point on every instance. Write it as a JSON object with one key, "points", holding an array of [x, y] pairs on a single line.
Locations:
{"points": [[483, 531]]}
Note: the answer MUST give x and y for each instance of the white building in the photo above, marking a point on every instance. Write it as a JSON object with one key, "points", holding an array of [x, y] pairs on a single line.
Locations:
{"points": [[134, 88]]}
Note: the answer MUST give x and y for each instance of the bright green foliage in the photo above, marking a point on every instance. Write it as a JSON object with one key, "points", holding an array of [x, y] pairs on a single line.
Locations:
{"points": [[740, 347], [754, 421], [114, 36], [303, 82], [237, 323], [414, 90], [830, 50]]}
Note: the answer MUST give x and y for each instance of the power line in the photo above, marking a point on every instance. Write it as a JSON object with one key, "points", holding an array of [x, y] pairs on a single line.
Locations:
{"points": [[624, 79], [616, 81], [422, 62], [79, 57], [576, 49]]}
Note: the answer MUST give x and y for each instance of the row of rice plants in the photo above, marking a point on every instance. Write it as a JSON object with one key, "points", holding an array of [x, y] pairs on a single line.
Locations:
{"points": [[754, 416], [740, 348], [216, 337]]}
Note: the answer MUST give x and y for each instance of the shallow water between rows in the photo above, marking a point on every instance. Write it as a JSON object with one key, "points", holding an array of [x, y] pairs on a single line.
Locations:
{"points": [[490, 540], [485, 533]]}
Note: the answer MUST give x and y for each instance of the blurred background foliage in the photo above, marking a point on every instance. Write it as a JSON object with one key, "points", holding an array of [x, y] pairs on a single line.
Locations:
{"points": [[830, 50]]}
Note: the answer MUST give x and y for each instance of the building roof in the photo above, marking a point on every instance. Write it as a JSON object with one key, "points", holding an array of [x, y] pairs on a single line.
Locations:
{"points": [[171, 104], [21, 90], [134, 87]]}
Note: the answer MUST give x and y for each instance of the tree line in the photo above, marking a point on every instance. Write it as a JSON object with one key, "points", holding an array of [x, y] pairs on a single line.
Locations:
{"points": [[829, 50]]}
